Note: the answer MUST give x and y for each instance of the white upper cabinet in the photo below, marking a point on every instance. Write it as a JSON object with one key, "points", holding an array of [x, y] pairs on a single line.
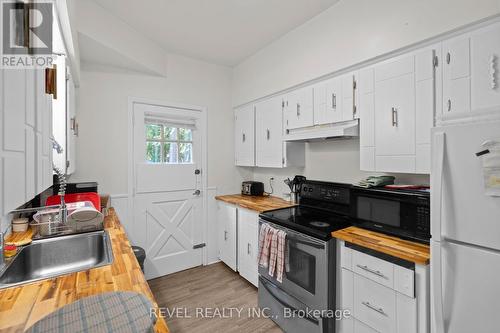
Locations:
{"points": [[366, 118], [298, 107], [328, 102], [395, 108], [244, 131], [269, 133], [485, 53], [456, 75], [349, 96]]}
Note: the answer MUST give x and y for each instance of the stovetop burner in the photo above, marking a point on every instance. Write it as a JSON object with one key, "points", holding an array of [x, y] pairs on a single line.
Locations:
{"points": [[319, 224]]}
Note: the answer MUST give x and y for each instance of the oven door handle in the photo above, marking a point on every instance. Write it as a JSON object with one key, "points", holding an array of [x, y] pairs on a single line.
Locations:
{"points": [[305, 242], [285, 304]]}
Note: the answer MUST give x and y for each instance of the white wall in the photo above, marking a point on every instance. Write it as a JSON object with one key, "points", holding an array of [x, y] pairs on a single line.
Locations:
{"points": [[102, 150], [346, 34], [350, 32], [336, 161]]}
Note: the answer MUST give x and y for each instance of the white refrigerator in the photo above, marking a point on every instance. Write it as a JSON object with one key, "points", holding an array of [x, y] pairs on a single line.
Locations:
{"points": [[465, 228]]}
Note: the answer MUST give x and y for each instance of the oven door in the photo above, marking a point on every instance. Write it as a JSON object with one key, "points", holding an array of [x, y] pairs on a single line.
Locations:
{"points": [[307, 276], [286, 311]]}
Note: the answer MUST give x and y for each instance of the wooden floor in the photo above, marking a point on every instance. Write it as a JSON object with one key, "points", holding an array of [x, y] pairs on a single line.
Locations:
{"points": [[213, 286]]}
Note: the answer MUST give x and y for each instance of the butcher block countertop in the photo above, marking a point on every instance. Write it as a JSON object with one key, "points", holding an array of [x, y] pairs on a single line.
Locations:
{"points": [[394, 246], [22, 306], [258, 203]]}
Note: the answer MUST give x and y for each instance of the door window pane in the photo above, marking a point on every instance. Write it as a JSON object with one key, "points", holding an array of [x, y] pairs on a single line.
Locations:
{"points": [[169, 145], [153, 152], [185, 152]]}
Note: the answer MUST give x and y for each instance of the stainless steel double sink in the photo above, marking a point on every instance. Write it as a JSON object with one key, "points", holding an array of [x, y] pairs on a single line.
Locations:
{"points": [[56, 256]]}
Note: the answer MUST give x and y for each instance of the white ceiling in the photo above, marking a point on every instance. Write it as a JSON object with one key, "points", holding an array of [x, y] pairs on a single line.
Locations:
{"points": [[220, 31]]}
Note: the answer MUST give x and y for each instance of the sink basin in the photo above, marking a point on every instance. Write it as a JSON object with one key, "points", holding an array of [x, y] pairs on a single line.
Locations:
{"points": [[57, 256]]}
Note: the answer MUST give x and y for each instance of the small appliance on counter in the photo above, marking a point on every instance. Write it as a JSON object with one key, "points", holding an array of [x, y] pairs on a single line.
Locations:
{"points": [[252, 188]]}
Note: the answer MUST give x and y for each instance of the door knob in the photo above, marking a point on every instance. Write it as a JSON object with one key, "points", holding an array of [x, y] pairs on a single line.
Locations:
{"points": [[197, 192]]}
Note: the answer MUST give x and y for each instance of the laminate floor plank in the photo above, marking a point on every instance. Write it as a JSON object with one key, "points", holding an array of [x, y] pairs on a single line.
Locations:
{"points": [[210, 287]]}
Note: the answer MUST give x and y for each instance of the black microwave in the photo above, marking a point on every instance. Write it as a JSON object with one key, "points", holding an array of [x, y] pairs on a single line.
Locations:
{"points": [[402, 213]]}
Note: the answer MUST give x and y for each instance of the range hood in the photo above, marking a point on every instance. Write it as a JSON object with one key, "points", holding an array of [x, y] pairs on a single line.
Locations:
{"points": [[335, 131]]}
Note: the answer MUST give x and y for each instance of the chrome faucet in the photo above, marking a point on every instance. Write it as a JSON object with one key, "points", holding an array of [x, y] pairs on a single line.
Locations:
{"points": [[63, 210]]}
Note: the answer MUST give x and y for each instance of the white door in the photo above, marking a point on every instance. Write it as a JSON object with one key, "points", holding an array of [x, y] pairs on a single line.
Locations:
{"points": [[485, 51], [167, 197], [349, 111], [333, 110], [244, 136], [248, 245], [467, 214], [456, 75], [268, 133]]}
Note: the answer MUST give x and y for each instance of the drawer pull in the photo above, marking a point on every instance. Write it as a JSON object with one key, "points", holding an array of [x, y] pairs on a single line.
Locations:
{"points": [[369, 270], [374, 308]]}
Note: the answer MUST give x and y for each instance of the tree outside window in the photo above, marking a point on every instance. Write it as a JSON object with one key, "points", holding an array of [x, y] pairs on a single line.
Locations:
{"points": [[167, 144]]}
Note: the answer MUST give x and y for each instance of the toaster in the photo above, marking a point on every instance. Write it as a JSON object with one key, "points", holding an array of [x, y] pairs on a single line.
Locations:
{"points": [[252, 188]]}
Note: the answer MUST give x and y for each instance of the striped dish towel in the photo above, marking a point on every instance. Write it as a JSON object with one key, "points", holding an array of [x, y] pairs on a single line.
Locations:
{"points": [[282, 259], [265, 235], [274, 251]]}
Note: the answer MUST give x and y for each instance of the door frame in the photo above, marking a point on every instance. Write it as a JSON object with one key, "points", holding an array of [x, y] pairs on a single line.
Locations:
{"points": [[204, 158]]}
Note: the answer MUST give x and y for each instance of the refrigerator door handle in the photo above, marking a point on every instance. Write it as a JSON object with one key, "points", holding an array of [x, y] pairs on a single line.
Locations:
{"points": [[437, 287], [438, 145]]}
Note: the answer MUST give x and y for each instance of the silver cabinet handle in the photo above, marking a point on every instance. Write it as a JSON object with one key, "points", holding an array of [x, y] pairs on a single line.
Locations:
{"points": [[298, 110], [244, 137], [225, 235], [449, 105], [369, 270], [248, 248], [448, 58], [374, 308], [394, 117], [493, 71], [268, 133], [334, 101]]}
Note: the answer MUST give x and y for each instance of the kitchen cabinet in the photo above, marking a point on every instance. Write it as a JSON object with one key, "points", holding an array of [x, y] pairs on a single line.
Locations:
{"points": [[456, 75], [26, 151], [367, 118], [72, 128], [244, 133], [349, 96], [298, 106], [383, 296], [270, 149], [328, 102], [248, 245], [227, 234], [485, 66]]}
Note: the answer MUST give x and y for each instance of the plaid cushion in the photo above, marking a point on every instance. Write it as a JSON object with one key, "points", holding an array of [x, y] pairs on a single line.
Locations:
{"points": [[108, 312]]}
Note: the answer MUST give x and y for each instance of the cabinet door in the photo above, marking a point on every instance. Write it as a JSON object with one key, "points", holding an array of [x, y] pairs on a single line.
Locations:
{"points": [[43, 134], [71, 128], [485, 51], [268, 133], [395, 116], [226, 222], [456, 75], [248, 242], [349, 99], [328, 102], [299, 108], [245, 136]]}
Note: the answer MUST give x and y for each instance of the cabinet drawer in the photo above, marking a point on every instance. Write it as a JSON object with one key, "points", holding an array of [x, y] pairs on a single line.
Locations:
{"points": [[374, 304], [373, 268]]}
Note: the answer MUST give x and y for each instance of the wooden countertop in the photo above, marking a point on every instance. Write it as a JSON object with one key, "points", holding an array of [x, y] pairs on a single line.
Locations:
{"points": [[396, 247], [257, 203], [22, 306]]}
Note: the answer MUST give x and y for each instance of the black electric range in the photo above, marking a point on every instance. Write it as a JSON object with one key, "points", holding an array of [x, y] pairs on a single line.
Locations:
{"points": [[323, 208]]}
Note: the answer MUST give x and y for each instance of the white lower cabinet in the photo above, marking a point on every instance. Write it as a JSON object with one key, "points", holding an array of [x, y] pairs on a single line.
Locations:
{"points": [[238, 240], [382, 296], [248, 245], [227, 234]]}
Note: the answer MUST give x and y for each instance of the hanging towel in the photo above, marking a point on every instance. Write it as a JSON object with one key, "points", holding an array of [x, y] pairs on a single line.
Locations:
{"points": [[266, 246], [274, 252], [262, 236], [280, 263]]}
